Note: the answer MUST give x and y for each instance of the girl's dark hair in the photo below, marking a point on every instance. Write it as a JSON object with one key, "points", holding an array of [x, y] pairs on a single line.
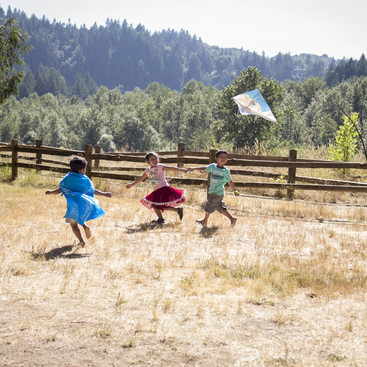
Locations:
{"points": [[149, 154], [77, 163], [220, 152]]}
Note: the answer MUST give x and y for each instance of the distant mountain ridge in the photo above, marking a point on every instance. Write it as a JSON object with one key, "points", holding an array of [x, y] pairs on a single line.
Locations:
{"points": [[119, 55]]}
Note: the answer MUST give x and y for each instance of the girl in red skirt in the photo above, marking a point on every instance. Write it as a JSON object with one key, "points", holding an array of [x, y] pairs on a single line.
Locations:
{"points": [[163, 197]]}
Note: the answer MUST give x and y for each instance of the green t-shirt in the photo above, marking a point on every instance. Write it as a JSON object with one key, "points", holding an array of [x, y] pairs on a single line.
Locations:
{"points": [[219, 177]]}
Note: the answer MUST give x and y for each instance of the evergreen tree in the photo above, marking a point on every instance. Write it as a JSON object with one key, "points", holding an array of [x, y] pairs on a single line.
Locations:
{"points": [[28, 85], [80, 87], [49, 80], [13, 45], [118, 54]]}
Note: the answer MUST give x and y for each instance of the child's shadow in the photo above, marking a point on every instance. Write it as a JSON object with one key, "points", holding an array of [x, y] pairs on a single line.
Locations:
{"points": [[208, 232], [58, 253], [144, 227]]}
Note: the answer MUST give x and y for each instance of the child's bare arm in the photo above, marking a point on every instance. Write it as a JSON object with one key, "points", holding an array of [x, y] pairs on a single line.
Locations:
{"points": [[53, 192], [102, 193], [173, 168], [140, 179], [196, 169]]}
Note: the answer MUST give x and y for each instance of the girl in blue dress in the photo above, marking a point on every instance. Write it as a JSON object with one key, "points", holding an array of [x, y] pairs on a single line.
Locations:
{"points": [[79, 192]]}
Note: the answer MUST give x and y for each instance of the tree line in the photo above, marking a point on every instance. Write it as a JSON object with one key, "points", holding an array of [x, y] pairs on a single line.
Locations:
{"points": [[118, 55], [308, 113], [158, 117]]}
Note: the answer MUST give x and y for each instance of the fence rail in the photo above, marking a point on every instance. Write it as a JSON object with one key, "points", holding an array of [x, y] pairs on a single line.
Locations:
{"points": [[181, 157]]}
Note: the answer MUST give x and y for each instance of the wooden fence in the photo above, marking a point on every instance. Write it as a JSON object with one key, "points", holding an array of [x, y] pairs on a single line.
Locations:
{"points": [[181, 157]]}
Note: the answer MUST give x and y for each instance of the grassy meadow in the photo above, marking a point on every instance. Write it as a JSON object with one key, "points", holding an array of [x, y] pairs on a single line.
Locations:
{"points": [[285, 287]]}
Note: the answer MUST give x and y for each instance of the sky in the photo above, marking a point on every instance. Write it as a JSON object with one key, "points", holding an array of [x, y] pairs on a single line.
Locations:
{"points": [[337, 28]]}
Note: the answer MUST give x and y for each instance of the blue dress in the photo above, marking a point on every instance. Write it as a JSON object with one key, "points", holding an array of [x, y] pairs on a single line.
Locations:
{"points": [[78, 190]]}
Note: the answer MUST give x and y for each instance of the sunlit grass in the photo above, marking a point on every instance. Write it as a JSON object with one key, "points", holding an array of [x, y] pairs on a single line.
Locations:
{"points": [[288, 269]]}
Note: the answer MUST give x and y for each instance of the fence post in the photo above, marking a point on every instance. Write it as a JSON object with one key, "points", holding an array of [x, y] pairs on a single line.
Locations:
{"points": [[180, 153], [14, 159], [38, 153], [97, 149], [211, 160], [88, 158], [291, 173]]}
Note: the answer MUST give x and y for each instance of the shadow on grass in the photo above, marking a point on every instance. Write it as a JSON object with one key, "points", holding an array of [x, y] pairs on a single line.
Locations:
{"points": [[208, 232], [58, 252], [145, 227]]}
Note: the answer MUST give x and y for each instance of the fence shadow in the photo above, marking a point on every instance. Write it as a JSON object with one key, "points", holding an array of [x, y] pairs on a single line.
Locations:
{"points": [[58, 252]]}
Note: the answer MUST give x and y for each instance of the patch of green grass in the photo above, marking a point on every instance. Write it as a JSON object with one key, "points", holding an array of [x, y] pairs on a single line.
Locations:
{"points": [[36, 179], [284, 279], [335, 358], [5, 174]]}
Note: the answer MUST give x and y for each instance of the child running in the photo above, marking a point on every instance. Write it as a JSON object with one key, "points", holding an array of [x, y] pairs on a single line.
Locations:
{"points": [[220, 175], [163, 197], [79, 192]]}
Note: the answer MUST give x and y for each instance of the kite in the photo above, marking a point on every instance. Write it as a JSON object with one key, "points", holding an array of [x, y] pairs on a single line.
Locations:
{"points": [[253, 103]]}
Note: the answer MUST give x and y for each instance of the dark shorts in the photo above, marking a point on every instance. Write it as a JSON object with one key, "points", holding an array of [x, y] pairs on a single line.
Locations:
{"points": [[215, 202]]}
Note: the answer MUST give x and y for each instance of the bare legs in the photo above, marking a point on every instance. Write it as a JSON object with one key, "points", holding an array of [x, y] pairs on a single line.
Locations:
{"points": [[77, 233], [178, 210], [87, 231], [159, 213], [229, 216], [204, 222]]}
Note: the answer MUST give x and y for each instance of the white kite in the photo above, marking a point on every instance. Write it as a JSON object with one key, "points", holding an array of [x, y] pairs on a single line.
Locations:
{"points": [[253, 103]]}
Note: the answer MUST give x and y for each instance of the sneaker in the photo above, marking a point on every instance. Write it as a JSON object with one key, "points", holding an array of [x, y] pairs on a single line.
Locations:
{"points": [[180, 212], [158, 221]]}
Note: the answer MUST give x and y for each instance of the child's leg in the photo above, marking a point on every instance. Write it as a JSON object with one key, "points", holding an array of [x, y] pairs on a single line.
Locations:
{"points": [[204, 221], [209, 208], [76, 231], [178, 210], [87, 231], [229, 216], [158, 212]]}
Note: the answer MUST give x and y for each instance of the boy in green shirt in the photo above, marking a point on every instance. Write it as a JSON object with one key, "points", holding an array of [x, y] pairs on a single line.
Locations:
{"points": [[220, 175]]}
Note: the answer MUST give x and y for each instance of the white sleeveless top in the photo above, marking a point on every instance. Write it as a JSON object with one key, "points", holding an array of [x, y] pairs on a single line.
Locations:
{"points": [[156, 176]]}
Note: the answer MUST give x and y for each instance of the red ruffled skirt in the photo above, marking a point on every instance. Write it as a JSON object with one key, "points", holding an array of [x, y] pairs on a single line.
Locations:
{"points": [[164, 197]]}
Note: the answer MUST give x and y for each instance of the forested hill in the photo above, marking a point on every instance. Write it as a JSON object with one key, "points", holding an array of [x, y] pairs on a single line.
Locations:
{"points": [[119, 55]]}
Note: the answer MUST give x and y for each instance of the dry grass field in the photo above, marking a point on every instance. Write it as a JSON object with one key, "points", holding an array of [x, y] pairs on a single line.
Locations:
{"points": [[285, 287]]}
